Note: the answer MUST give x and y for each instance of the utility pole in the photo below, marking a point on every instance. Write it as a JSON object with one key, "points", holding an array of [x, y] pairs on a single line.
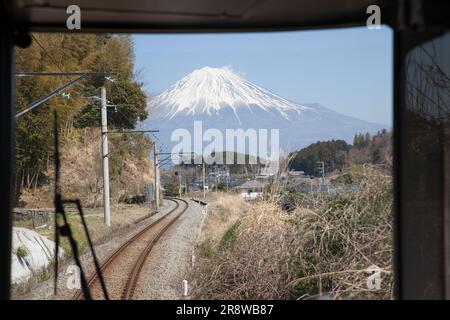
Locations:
{"points": [[156, 169], [106, 208], [227, 177], [322, 169], [215, 176], [204, 181]]}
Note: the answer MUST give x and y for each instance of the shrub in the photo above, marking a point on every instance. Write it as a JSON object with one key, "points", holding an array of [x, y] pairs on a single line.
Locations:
{"points": [[249, 262], [172, 190], [343, 236], [22, 252]]}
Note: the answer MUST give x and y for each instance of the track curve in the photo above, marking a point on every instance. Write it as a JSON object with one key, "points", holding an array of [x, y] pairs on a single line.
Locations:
{"points": [[122, 268]]}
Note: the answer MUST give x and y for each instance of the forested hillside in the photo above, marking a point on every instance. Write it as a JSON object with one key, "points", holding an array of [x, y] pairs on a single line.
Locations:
{"points": [[79, 116], [336, 154]]}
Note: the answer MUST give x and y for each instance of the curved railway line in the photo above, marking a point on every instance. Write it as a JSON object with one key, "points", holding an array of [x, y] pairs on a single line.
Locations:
{"points": [[122, 268]]}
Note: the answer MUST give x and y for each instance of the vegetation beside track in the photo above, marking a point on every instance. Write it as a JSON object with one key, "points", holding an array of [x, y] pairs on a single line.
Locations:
{"points": [[326, 245]]}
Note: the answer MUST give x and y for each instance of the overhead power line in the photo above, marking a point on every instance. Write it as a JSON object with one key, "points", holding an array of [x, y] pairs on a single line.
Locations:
{"points": [[47, 97], [61, 89], [46, 52]]}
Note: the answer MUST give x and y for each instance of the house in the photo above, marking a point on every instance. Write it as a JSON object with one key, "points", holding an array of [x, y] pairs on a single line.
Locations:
{"points": [[251, 189], [294, 173]]}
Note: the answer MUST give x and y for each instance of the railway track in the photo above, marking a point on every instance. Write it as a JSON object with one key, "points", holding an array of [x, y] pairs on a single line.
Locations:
{"points": [[122, 268]]}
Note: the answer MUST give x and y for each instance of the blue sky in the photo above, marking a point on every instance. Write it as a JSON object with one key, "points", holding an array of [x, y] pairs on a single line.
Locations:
{"points": [[347, 70]]}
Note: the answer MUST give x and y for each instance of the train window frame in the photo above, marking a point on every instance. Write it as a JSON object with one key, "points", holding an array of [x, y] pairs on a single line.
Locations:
{"points": [[411, 281]]}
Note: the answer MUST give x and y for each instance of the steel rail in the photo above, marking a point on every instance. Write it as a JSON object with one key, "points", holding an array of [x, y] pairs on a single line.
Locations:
{"points": [[134, 275], [94, 277]]}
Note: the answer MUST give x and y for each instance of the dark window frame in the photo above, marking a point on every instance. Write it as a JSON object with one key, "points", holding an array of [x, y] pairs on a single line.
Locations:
{"points": [[411, 275]]}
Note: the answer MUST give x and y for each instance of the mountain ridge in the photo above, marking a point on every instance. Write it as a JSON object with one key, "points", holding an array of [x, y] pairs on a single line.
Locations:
{"points": [[221, 99], [212, 89]]}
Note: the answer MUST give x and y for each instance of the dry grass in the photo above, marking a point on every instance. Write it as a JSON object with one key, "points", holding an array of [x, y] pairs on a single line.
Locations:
{"points": [[224, 211], [247, 260], [342, 236], [82, 173], [324, 246]]}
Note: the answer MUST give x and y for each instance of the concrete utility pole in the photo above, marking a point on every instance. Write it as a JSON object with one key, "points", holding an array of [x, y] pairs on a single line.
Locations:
{"points": [[156, 169], [322, 169], [204, 181], [227, 177], [216, 180], [106, 208]]}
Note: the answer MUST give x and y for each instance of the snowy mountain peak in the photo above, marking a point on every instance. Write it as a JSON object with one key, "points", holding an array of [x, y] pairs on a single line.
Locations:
{"points": [[221, 99], [208, 90]]}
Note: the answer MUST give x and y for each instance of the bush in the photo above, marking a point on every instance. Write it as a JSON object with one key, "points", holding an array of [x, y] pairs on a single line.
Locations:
{"points": [[229, 237], [172, 190], [342, 236], [249, 261], [22, 252]]}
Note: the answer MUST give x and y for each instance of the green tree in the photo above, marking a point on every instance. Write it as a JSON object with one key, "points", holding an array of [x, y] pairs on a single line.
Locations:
{"points": [[333, 153], [68, 52], [130, 106]]}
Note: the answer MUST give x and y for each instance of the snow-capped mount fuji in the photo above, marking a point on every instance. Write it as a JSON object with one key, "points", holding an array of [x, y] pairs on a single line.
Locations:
{"points": [[222, 99], [210, 90]]}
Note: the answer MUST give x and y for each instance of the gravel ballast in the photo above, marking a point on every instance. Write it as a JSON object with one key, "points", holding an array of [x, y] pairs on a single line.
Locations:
{"points": [[171, 258], [43, 290]]}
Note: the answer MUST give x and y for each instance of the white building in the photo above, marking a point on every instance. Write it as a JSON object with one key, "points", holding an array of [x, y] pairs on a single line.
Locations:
{"points": [[252, 189]]}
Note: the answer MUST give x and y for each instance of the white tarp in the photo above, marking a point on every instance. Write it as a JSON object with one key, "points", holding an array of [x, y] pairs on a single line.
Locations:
{"points": [[31, 252]]}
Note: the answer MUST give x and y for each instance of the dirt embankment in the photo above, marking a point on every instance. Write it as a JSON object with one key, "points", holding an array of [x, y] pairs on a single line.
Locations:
{"points": [[81, 171]]}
